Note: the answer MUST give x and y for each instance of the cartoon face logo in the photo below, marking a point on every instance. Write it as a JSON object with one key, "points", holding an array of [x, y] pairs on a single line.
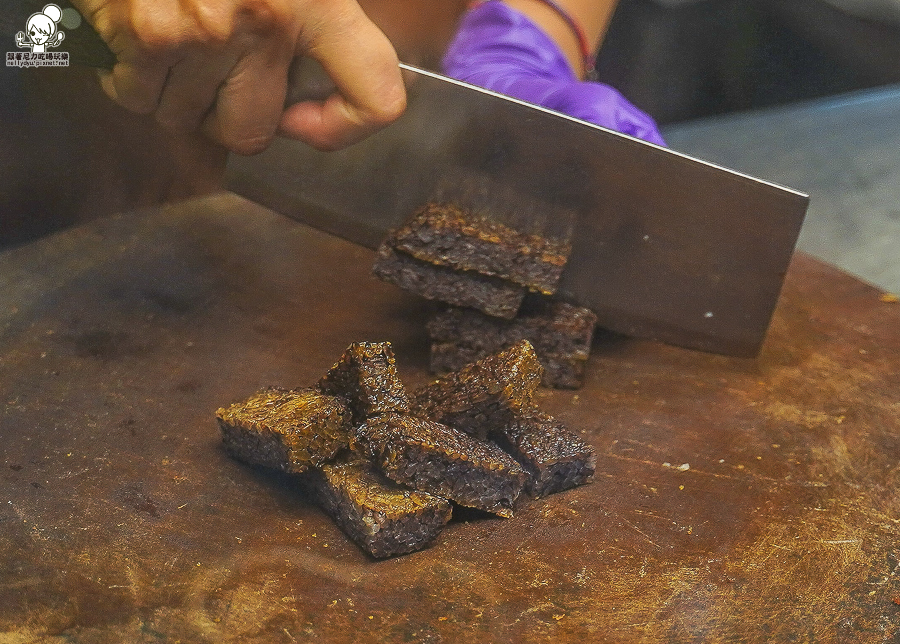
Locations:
{"points": [[41, 30]]}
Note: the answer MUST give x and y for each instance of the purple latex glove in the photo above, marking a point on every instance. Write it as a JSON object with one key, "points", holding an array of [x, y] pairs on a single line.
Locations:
{"points": [[500, 49]]}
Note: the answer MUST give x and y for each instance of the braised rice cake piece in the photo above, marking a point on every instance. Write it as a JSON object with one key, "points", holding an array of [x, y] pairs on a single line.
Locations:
{"points": [[366, 377], [483, 395], [561, 334], [560, 372], [440, 460], [286, 430], [445, 234], [554, 457], [491, 295], [382, 517]]}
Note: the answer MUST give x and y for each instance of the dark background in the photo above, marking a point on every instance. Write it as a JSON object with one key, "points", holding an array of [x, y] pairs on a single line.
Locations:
{"points": [[720, 56]]}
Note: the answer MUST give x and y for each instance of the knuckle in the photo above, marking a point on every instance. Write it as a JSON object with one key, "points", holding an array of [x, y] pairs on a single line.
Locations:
{"points": [[134, 97], [104, 22], [249, 22], [266, 14], [212, 27], [155, 34]]}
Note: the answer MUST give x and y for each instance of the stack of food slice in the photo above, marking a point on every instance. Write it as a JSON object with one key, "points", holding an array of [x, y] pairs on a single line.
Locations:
{"points": [[497, 283]]}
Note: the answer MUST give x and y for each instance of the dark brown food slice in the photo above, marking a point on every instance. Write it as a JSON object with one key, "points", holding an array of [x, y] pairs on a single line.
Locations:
{"points": [[557, 327], [463, 288], [484, 395], [560, 372], [560, 333], [447, 235], [366, 377], [434, 458], [555, 458], [286, 430], [384, 518]]}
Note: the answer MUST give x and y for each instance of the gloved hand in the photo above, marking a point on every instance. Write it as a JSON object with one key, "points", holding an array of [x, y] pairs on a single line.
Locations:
{"points": [[500, 49]]}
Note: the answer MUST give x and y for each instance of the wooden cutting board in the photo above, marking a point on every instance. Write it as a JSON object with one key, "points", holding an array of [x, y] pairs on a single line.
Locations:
{"points": [[735, 500]]}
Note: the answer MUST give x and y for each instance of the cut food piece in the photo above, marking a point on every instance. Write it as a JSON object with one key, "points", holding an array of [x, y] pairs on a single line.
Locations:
{"points": [[560, 371], [434, 458], [286, 430], [551, 326], [491, 295], [447, 235], [384, 518], [385, 473], [485, 395], [366, 377], [555, 458], [560, 333]]}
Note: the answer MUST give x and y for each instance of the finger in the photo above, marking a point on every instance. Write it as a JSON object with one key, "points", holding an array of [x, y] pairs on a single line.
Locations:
{"points": [[250, 102], [325, 125], [139, 33], [135, 86], [370, 94], [190, 90]]}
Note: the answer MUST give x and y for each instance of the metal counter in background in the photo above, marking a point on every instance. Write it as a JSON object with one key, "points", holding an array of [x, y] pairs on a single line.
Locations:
{"points": [[844, 152]]}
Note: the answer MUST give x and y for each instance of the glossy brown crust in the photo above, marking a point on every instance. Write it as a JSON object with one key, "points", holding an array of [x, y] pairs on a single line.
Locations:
{"points": [[484, 395], [491, 295], [382, 517], [561, 334], [286, 430], [560, 371], [554, 457], [447, 235], [366, 377], [434, 458]]}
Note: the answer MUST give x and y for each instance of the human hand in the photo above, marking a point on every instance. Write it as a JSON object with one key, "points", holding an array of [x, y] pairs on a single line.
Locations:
{"points": [[500, 49], [222, 66]]}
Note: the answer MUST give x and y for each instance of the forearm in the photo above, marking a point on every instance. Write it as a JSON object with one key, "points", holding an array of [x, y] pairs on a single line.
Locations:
{"points": [[592, 16], [528, 49], [420, 29]]}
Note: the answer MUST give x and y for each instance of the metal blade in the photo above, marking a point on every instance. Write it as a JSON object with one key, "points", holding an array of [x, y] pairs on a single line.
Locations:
{"points": [[666, 246]]}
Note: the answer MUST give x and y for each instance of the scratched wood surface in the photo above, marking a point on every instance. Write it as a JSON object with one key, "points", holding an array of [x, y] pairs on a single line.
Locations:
{"points": [[735, 500]]}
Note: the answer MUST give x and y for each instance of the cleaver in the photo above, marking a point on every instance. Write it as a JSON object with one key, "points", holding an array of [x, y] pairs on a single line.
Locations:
{"points": [[664, 246]]}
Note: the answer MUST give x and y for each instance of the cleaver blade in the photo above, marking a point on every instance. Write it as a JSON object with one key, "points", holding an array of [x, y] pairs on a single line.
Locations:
{"points": [[665, 246]]}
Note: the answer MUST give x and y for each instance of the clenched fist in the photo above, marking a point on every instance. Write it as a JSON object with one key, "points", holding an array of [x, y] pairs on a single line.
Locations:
{"points": [[222, 66]]}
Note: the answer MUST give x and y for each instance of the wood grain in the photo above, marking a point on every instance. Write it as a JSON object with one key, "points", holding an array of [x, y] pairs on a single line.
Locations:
{"points": [[735, 500]]}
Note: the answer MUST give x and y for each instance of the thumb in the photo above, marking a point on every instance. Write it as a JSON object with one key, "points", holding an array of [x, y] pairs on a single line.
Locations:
{"points": [[369, 87]]}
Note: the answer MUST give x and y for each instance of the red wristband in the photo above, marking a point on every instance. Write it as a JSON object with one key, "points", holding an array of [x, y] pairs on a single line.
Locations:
{"points": [[586, 54], [585, 49]]}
